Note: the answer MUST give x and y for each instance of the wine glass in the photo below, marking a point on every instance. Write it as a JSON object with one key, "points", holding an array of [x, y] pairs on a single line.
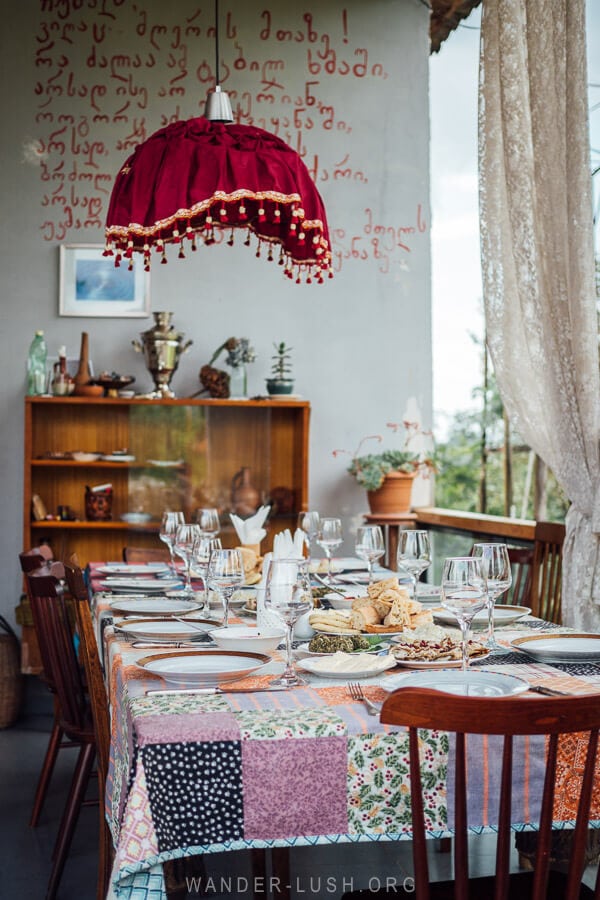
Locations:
{"points": [[308, 522], [203, 547], [495, 565], [168, 527], [185, 538], [464, 593], [225, 573], [288, 594], [329, 538], [207, 519], [369, 545], [414, 554]]}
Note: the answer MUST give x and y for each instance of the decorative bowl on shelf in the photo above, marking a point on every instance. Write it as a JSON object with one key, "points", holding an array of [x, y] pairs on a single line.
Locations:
{"points": [[114, 383], [82, 456], [136, 518]]}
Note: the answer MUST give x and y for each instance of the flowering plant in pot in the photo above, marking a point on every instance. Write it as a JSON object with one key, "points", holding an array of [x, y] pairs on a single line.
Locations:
{"points": [[388, 476]]}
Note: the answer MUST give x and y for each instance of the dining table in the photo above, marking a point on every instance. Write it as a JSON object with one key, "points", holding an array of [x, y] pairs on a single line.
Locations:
{"points": [[195, 773]]}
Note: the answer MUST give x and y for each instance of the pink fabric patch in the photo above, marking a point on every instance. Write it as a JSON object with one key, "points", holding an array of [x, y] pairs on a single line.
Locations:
{"points": [[186, 727], [294, 787]]}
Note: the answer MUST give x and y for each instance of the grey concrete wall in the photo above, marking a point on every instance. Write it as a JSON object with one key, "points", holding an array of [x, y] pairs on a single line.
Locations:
{"points": [[84, 79]]}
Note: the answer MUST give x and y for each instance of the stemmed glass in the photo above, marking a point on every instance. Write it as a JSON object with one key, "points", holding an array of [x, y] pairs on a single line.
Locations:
{"points": [[185, 538], [203, 547], [207, 520], [464, 593], [170, 522], [225, 573], [495, 565], [414, 554], [369, 545], [329, 538], [309, 522], [287, 593]]}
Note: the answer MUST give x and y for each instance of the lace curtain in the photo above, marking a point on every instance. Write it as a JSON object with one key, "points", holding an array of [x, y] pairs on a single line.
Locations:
{"points": [[538, 259]]}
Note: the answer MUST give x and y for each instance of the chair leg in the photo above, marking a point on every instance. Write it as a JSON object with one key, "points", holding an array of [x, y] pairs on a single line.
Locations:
{"points": [[46, 773], [79, 784], [105, 851]]}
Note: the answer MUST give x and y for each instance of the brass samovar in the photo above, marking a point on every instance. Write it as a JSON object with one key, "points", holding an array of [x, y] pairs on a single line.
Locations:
{"points": [[162, 346]]}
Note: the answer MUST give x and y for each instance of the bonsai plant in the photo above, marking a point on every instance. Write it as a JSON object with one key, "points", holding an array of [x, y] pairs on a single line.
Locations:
{"points": [[281, 381], [388, 476]]}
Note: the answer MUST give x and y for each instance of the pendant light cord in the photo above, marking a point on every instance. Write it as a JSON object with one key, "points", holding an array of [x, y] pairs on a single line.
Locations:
{"points": [[217, 82]]}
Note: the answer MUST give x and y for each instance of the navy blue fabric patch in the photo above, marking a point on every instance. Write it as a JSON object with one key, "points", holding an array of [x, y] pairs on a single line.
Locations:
{"points": [[195, 792]]}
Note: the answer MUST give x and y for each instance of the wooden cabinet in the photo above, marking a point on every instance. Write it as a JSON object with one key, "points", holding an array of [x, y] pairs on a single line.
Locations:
{"points": [[185, 455]]}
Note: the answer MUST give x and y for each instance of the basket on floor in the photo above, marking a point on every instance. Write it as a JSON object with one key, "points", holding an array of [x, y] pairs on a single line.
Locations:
{"points": [[11, 680]]}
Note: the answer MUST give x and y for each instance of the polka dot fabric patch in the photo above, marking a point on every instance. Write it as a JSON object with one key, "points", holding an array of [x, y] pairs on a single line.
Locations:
{"points": [[195, 792]]}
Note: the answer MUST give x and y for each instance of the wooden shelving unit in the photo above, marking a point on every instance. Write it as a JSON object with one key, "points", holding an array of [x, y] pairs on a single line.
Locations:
{"points": [[186, 454]]}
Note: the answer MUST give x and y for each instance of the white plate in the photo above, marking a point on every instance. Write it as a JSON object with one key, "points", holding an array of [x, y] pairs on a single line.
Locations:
{"points": [[144, 585], [473, 683], [435, 663], [165, 463], [560, 648], [317, 666], [350, 564], [504, 614], [248, 611], [132, 569], [209, 667], [110, 457], [136, 518], [303, 651], [155, 606], [428, 592], [164, 629], [80, 456]]}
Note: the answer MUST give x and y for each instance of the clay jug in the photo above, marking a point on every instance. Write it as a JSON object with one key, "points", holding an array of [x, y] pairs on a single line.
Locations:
{"points": [[82, 376], [245, 499]]}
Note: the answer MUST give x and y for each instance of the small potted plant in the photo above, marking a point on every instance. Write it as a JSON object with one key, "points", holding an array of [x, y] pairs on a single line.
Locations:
{"points": [[388, 476], [280, 381]]}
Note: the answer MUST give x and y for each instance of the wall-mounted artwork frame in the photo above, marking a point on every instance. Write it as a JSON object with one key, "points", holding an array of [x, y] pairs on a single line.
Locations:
{"points": [[91, 285]]}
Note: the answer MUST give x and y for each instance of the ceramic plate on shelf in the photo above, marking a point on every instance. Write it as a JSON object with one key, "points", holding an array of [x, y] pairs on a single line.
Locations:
{"points": [[504, 614], [165, 463], [132, 569], [206, 667], [144, 585], [118, 457], [136, 518], [560, 648], [473, 683], [366, 667], [155, 606], [158, 629]]}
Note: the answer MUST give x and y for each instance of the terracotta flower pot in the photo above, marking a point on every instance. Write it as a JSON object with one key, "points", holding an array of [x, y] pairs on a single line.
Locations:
{"points": [[394, 494]]}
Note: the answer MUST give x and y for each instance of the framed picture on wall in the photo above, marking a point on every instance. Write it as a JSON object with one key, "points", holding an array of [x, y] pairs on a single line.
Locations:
{"points": [[91, 285]]}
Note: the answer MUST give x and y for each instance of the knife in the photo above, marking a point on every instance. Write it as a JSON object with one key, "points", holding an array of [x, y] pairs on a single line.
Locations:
{"points": [[213, 690], [549, 692]]}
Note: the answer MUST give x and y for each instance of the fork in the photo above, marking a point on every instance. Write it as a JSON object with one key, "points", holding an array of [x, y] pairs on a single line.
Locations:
{"points": [[357, 693]]}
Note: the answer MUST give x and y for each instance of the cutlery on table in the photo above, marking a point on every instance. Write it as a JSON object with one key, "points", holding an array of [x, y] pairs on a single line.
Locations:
{"points": [[157, 692], [328, 586], [357, 693], [169, 645], [549, 692]]}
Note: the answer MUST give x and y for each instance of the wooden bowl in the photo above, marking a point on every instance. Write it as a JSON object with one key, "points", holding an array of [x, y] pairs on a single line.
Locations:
{"points": [[88, 390]]}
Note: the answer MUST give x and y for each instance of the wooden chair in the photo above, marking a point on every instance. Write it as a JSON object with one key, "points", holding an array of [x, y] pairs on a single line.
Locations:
{"points": [[420, 708], [145, 554], [89, 656], [547, 571], [53, 625], [39, 559]]}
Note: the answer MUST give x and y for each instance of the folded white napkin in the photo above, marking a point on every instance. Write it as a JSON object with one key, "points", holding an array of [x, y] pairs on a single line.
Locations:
{"points": [[250, 531], [284, 547]]}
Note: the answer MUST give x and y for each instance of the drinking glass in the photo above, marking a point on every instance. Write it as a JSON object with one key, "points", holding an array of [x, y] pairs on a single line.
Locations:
{"points": [[185, 537], [203, 547], [414, 554], [308, 522], [170, 522], [369, 545], [288, 594], [225, 573], [495, 565], [329, 538], [208, 521], [464, 593]]}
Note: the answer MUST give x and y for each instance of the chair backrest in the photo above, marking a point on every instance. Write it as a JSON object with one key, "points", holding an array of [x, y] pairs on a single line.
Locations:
{"points": [[420, 708], [55, 632], [88, 650], [35, 557], [546, 581], [145, 554]]}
